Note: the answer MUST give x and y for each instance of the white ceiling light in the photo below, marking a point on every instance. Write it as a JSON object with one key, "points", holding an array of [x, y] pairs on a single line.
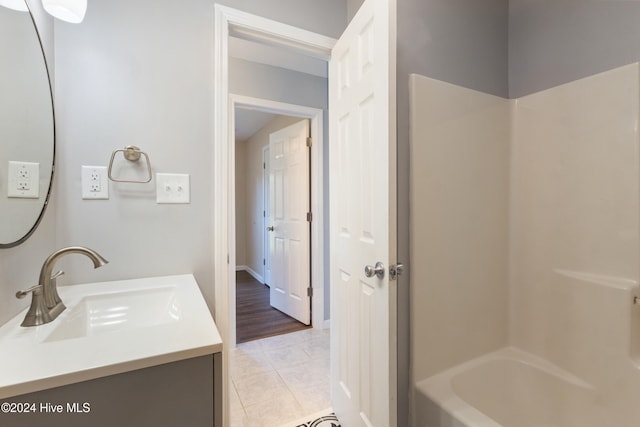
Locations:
{"points": [[19, 5], [67, 10]]}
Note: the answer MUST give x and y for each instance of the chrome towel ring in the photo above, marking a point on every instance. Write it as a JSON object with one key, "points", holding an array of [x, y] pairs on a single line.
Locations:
{"points": [[131, 153]]}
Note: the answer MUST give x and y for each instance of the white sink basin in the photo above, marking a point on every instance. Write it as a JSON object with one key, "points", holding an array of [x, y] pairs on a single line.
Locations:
{"points": [[103, 313], [108, 328]]}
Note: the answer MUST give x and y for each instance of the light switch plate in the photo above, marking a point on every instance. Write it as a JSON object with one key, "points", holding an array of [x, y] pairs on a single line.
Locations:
{"points": [[95, 183], [23, 180], [172, 188]]}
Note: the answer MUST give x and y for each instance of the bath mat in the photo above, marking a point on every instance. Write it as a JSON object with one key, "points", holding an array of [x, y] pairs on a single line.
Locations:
{"points": [[325, 418]]}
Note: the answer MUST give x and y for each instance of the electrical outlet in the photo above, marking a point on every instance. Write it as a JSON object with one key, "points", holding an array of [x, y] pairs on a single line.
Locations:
{"points": [[94, 181], [23, 180], [95, 184]]}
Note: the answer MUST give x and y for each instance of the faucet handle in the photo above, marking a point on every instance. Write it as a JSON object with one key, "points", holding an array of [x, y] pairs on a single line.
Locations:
{"points": [[57, 274], [37, 289]]}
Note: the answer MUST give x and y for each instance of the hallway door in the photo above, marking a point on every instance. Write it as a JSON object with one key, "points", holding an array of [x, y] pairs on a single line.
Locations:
{"points": [[363, 219], [289, 244]]}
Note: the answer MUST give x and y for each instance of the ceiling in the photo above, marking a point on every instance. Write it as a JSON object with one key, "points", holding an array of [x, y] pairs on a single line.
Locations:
{"points": [[248, 122]]}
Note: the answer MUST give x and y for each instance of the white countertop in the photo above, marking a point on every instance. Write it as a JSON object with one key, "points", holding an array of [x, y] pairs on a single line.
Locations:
{"points": [[30, 361]]}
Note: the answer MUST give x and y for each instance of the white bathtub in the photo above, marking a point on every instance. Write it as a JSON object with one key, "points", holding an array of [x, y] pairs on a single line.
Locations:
{"points": [[509, 388]]}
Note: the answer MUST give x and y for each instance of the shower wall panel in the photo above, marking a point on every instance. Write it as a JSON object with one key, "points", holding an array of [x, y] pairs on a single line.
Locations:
{"points": [[459, 215], [574, 221], [524, 229]]}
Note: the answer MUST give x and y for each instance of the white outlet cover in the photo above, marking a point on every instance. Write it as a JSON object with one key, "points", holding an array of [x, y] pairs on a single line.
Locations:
{"points": [[95, 183], [172, 188], [23, 180]]}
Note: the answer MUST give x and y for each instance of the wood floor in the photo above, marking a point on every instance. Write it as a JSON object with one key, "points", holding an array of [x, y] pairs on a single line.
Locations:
{"points": [[255, 318]]}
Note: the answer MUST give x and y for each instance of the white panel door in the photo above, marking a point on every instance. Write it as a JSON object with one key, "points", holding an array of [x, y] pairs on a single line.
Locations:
{"points": [[290, 233], [363, 218]]}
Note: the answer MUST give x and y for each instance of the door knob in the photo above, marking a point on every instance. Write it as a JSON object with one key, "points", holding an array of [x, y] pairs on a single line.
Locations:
{"points": [[395, 271], [378, 270], [270, 228]]}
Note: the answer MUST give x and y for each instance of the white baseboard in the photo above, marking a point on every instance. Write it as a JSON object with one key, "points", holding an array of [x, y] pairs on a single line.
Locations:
{"points": [[249, 270]]}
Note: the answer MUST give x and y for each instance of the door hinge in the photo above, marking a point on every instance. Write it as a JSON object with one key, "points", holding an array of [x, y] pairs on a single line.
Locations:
{"points": [[264, 214], [309, 217], [264, 261], [395, 271], [309, 141], [309, 292], [264, 166]]}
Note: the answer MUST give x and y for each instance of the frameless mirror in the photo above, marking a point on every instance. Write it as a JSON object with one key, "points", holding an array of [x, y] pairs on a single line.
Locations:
{"points": [[27, 141]]}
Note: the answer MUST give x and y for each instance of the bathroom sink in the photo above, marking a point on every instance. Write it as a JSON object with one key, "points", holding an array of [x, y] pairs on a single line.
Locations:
{"points": [[104, 313], [108, 328]]}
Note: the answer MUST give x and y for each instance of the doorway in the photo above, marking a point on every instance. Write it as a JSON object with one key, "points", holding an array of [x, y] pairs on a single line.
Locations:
{"points": [[272, 223], [317, 258], [229, 22], [376, 22]]}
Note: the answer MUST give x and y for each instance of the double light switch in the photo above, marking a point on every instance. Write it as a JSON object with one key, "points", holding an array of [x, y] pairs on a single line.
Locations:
{"points": [[172, 188]]}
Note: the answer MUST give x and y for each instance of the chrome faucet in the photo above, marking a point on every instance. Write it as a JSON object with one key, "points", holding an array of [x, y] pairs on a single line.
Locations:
{"points": [[46, 304]]}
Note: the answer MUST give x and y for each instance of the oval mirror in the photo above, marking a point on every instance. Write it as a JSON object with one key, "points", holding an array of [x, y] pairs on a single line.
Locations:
{"points": [[27, 141]]}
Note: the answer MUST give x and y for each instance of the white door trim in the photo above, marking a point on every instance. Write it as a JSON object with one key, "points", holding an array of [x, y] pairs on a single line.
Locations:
{"points": [[315, 115], [231, 21], [266, 271]]}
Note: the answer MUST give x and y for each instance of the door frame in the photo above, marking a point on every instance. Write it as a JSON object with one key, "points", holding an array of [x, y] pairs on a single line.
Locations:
{"points": [[315, 117], [266, 195], [227, 22]]}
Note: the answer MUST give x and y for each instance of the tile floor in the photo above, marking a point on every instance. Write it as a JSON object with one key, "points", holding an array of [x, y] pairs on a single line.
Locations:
{"points": [[279, 379]]}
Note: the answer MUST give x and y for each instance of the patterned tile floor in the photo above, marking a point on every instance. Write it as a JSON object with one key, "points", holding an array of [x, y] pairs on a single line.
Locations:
{"points": [[279, 379]]}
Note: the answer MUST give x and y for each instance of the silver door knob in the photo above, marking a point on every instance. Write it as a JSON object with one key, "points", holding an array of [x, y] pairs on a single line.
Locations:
{"points": [[270, 228], [378, 270], [395, 271]]}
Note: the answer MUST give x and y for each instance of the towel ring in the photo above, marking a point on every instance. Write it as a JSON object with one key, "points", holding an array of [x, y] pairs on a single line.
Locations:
{"points": [[131, 153]]}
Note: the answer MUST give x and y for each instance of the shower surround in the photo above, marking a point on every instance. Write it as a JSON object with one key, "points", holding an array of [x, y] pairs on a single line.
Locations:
{"points": [[524, 222]]}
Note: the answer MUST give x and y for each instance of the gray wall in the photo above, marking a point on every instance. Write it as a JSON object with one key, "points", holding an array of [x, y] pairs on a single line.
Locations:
{"points": [[463, 42], [136, 73], [277, 84], [352, 8], [512, 48], [557, 41], [328, 17]]}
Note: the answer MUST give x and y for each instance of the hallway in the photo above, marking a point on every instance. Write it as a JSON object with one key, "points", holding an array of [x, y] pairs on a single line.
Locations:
{"points": [[255, 318]]}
